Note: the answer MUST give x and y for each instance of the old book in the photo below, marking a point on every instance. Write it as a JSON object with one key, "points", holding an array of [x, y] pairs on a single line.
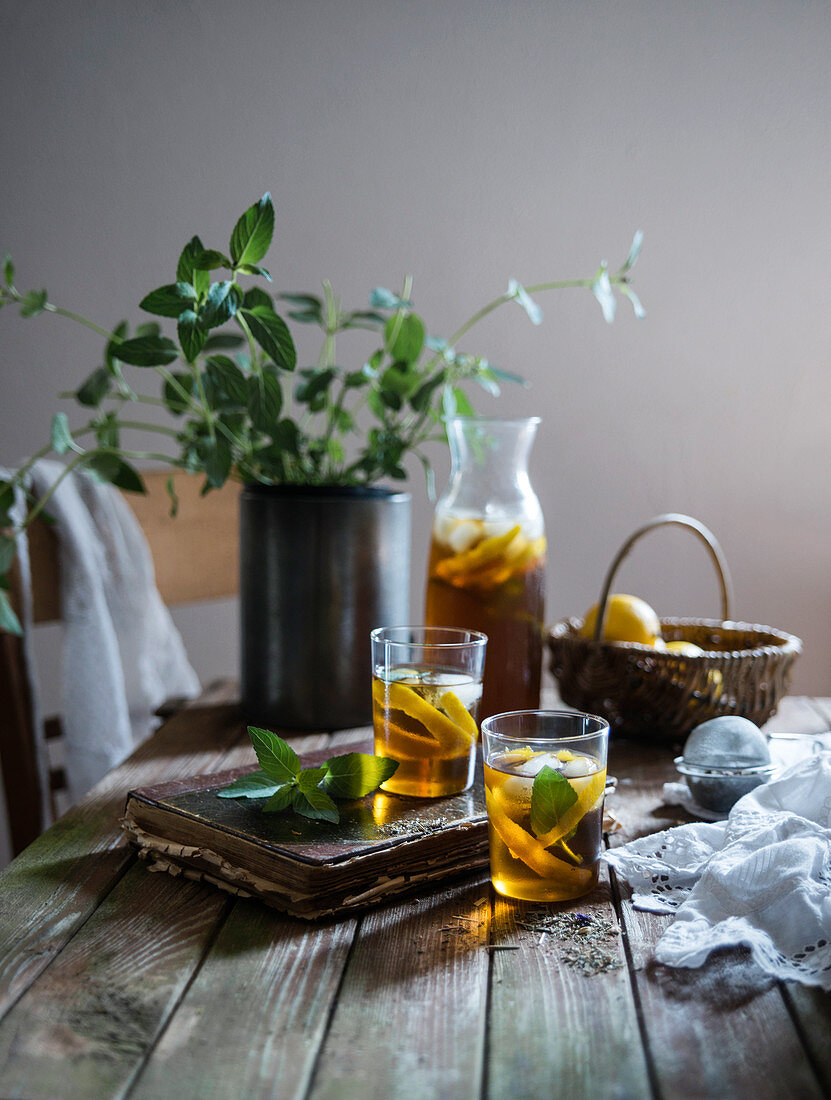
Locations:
{"points": [[384, 846]]}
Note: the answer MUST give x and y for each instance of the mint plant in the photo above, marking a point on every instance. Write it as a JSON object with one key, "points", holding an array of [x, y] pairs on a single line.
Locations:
{"points": [[241, 407], [309, 792]]}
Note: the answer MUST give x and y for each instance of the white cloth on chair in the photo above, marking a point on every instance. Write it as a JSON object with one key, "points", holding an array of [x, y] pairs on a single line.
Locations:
{"points": [[122, 654]]}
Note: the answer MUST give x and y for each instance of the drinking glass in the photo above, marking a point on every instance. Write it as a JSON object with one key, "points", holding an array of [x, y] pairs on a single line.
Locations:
{"points": [[426, 691], [545, 776]]}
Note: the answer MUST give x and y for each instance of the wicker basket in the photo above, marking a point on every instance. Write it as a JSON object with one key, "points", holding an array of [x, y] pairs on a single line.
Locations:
{"points": [[652, 694]]}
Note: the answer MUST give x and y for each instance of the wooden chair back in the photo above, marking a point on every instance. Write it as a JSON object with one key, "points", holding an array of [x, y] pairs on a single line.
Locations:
{"points": [[196, 557]]}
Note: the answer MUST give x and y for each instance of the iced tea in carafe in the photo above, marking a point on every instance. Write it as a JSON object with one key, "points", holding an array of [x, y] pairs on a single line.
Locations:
{"points": [[487, 556]]}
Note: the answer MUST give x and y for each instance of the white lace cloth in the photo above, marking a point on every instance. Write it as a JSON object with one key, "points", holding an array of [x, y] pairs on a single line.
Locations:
{"points": [[761, 879]]}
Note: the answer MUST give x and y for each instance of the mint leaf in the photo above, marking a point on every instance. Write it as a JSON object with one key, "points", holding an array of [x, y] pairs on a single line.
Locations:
{"points": [[272, 334], [254, 269], [224, 341], [146, 351], [169, 301], [602, 290], [634, 252], [209, 259], [315, 804], [637, 305], [170, 487], [252, 234], [8, 547], [381, 298], [6, 503], [217, 458], [191, 334], [8, 269], [8, 620], [111, 468], [356, 774], [61, 436], [255, 785], [404, 337], [33, 303], [95, 389], [277, 759], [222, 302], [518, 291], [280, 800], [551, 796], [188, 270], [265, 401], [225, 382], [310, 778]]}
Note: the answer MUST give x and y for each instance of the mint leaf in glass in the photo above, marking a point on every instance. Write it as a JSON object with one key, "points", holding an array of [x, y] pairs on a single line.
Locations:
{"points": [[551, 796]]}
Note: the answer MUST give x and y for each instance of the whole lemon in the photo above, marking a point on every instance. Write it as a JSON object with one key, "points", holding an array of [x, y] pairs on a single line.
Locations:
{"points": [[628, 619], [686, 649]]}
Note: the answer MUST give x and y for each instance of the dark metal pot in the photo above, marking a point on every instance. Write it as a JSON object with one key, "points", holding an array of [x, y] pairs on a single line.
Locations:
{"points": [[321, 566]]}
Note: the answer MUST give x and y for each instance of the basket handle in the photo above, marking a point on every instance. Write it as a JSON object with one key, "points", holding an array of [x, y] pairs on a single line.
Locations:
{"points": [[674, 519]]}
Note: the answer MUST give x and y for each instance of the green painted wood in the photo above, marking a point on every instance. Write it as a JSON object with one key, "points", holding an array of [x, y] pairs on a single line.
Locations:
{"points": [[553, 1030], [410, 1017]]}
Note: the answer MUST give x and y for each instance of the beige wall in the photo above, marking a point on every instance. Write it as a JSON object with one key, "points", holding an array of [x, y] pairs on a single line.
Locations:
{"points": [[467, 142]]}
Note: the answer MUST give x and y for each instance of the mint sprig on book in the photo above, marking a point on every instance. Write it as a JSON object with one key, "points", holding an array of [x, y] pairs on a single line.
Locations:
{"points": [[309, 792]]}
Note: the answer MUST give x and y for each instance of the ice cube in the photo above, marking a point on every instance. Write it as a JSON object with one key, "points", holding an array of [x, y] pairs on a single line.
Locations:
{"points": [[494, 528], [534, 764], [468, 694], [578, 767], [464, 535]]}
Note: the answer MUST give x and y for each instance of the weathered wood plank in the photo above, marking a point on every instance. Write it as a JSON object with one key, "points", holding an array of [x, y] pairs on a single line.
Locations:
{"points": [[82, 1029], [553, 1030], [410, 1018], [811, 1009], [254, 1017], [63, 875], [223, 1041], [722, 1030], [125, 967]]}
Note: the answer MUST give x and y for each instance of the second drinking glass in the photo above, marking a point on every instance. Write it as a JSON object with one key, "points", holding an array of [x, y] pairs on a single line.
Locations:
{"points": [[426, 692]]}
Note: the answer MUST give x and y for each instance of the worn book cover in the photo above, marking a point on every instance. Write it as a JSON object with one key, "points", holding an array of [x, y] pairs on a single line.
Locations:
{"points": [[384, 845]]}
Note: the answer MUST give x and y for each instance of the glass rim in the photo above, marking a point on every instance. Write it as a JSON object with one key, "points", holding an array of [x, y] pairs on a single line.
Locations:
{"points": [[473, 418], [603, 729], [471, 637]]}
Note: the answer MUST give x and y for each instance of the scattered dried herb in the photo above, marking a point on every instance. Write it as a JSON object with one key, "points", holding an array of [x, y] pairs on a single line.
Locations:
{"points": [[587, 943]]}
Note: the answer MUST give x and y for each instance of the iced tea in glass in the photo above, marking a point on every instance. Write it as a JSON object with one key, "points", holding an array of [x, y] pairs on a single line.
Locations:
{"points": [[426, 691], [545, 778]]}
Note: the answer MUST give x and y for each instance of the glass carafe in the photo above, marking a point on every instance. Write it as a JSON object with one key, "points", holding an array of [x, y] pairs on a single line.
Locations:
{"points": [[487, 555]]}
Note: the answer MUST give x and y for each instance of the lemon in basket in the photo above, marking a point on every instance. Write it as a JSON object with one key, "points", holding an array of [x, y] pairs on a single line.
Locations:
{"points": [[628, 619]]}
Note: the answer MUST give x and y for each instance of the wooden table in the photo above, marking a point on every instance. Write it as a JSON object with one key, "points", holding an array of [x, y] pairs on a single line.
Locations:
{"points": [[118, 982]]}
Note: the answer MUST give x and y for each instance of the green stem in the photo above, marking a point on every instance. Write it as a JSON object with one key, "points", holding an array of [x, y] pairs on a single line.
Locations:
{"points": [[141, 426], [49, 308], [50, 492]]}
